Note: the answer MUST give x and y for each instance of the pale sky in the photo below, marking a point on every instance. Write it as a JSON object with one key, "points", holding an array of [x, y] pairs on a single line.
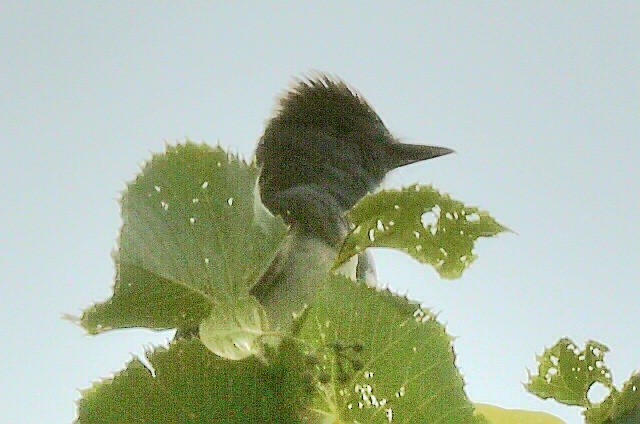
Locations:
{"points": [[541, 101]]}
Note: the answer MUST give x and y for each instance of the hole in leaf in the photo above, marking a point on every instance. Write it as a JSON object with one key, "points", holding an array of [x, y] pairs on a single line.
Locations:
{"points": [[474, 217], [429, 219], [597, 393]]}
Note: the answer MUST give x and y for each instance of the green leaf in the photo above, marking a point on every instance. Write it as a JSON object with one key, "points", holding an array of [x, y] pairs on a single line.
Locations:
{"points": [[428, 225], [497, 415], [620, 407], [189, 384], [627, 406], [190, 242], [380, 357], [235, 335], [566, 373]]}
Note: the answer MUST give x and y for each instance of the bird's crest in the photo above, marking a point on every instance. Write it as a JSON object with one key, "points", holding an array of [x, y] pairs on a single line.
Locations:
{"points": [[323, 101]]}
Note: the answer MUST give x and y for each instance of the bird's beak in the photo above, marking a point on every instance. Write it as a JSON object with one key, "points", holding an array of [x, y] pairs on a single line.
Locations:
{"points": [[402, 154]]}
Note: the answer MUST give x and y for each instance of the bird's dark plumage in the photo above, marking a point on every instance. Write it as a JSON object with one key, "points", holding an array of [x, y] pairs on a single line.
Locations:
{"points": [[321, 138], [327, 138], [323, 151]]}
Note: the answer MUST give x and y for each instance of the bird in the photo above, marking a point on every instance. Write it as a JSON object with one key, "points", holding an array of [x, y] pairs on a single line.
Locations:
{"points": [[322, 151]]}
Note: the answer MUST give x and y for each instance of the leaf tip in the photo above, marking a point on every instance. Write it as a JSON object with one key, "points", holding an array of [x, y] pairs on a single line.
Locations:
{"points": [[74, 319]]}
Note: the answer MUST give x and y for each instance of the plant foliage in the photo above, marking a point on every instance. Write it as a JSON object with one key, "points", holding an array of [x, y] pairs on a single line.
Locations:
{"points": [[566, 373], [426, 224], [195, 238]]}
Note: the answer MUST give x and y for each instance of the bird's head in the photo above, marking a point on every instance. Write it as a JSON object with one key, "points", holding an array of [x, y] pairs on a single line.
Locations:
{"points": [[325, 134]]}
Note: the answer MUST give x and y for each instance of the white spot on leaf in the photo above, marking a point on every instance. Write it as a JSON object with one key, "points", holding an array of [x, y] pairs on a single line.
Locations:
{"points": [[474, 217], [429, 219]]}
